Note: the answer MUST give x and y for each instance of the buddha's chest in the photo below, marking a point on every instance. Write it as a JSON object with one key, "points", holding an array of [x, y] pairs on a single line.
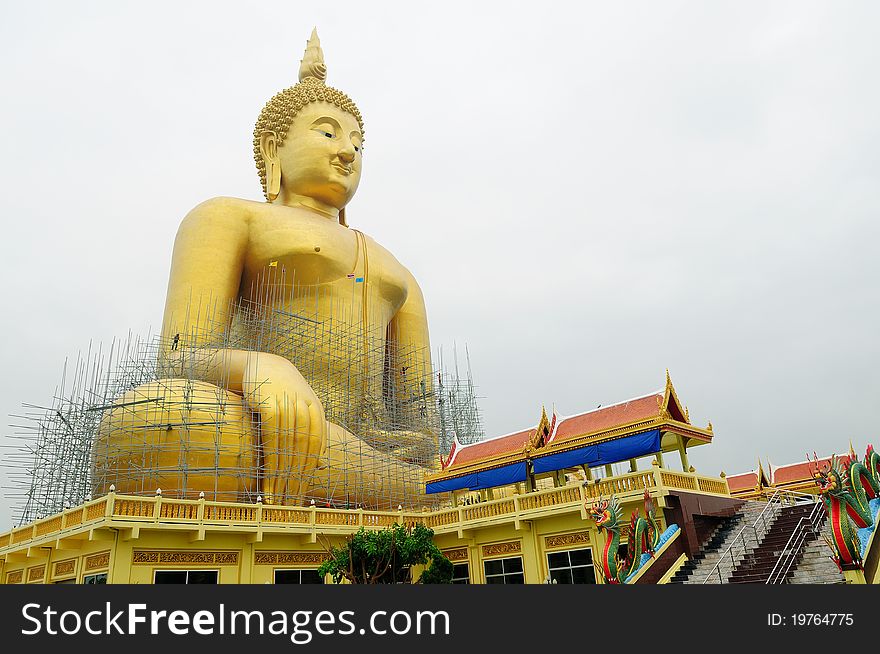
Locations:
{"points": [[307, 252]]}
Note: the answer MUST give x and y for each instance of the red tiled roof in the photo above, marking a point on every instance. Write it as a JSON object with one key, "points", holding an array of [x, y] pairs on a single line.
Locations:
{"points": [[493, 447], [801, 471], [640, 408], [743, 481]]}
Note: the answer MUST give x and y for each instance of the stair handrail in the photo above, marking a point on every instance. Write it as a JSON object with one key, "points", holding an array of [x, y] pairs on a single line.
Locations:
{"points": [[799, 538], [773, 506]]}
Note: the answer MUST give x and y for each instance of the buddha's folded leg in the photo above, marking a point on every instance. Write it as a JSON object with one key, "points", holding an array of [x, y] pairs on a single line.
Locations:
{"points": [[183, 436], [352, 473]]}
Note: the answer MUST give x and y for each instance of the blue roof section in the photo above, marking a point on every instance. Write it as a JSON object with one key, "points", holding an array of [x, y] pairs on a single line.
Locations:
{"points": [[503, 476], [621, 449]]}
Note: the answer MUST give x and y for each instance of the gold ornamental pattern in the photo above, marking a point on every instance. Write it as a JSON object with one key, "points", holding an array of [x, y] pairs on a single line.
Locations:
{"points": [[566, 540], [148, 557], [63, 568], [15, 577], [289, 558], [457, 554], [500, 549], [98, 561], [36, 573]]}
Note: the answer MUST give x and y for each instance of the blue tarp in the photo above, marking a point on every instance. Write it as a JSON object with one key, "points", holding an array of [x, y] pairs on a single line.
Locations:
{"points": [[509, 474], [622, 449]]}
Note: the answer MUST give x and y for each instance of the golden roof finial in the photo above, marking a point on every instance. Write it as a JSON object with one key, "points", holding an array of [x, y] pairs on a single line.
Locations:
{"points": [[668, 378], [312, 64]]}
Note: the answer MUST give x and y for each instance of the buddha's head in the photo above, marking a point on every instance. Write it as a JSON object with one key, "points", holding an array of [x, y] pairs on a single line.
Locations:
{"points": [[308, 141]]}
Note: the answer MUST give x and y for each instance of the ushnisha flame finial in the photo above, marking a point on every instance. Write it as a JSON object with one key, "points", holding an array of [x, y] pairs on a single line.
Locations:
{"points": [[312, 64]]}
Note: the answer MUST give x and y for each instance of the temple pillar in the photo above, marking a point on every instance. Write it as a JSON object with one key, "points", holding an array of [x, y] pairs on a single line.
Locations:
{"points": [[632, 466], [682, 451], [609, 472]]}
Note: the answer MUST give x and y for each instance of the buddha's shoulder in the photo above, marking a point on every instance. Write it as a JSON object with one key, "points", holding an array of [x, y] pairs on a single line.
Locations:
{"points": [[225, 210]]}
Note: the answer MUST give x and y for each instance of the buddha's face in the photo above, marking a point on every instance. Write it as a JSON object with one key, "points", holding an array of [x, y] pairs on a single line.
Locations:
{"points": [[321, 156]]}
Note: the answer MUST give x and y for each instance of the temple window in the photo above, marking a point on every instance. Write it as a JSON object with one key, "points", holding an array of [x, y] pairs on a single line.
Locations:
{"points": [[185, 577], [100, 578], [504, 571], [461, 573], [298, 577], [571, 567]]}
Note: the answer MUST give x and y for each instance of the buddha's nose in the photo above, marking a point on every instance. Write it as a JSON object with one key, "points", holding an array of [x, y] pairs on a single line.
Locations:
{"points": [[346, 153]]}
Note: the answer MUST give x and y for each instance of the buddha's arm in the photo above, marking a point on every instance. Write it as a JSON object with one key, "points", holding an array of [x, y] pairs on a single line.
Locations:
{"points": [[408, 332], [206, 270], [410, 363]]}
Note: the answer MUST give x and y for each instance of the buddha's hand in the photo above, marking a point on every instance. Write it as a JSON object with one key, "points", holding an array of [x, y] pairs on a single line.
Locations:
{"points": [[293, 430]]}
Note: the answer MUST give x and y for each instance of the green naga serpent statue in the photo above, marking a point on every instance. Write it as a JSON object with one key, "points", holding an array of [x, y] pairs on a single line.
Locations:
{"points": [[644, 536], [846, 490]]}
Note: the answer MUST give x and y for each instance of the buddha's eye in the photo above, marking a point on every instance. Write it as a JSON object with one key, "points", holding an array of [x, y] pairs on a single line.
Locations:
{"points": [[326, 130], [357, 149]]}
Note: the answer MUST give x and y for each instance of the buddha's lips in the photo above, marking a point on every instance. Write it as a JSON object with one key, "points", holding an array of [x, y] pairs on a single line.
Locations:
{"points": [[343, 169]]}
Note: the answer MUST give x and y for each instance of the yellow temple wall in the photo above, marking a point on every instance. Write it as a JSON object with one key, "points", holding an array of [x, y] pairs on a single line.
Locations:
{"points": [[130, 538], [238, 561]]}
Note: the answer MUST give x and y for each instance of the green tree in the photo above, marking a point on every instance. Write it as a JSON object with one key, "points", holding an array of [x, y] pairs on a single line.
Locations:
{"points": [[387, 557]]}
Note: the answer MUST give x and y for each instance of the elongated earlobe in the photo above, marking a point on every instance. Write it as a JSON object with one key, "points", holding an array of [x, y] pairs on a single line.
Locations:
{"points": [[273, 180], [269, 150]]}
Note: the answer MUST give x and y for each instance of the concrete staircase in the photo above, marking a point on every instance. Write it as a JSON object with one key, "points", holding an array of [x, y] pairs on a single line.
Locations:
{"points": [[698, 568], [816, 566], [755, 567], [749, 545]]}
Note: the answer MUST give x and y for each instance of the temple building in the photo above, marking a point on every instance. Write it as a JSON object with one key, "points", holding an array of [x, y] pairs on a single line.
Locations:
{"points": [[291, 399]]}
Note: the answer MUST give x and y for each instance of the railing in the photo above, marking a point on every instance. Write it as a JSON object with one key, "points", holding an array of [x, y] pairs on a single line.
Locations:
{"points": [[795, 545], [739, 547], [202, 513], [750, 536], [634, 484]]}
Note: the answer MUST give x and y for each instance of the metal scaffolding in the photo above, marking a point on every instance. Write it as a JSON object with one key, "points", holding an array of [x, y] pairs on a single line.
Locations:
{"points": [[171, 413]]}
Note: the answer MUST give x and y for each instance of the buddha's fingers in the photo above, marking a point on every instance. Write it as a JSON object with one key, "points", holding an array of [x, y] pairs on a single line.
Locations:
{"points": [[301, 465], [284, 442], [319, 429]]}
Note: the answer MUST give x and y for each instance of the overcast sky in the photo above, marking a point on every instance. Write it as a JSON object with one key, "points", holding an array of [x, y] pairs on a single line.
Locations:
{"points": [[589, 193]]}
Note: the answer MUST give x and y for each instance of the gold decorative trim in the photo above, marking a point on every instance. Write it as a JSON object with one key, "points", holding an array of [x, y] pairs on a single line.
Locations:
{"points": [[289, 558], [65, 568], [36, 573], [457, 554], [15, 577], [566, 540], [500, 549], [97, 561], [174, 557], [605, 435]]}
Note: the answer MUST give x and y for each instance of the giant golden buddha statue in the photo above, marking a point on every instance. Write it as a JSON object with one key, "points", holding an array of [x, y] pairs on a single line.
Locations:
{"points": [[231, 414]]}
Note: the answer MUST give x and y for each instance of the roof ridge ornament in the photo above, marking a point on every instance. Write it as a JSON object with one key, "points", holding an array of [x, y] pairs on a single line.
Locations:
{"points": [[312, 65]]}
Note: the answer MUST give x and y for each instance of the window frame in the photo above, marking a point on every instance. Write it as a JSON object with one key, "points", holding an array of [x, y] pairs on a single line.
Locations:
{"points": [[461, 580], [570, 568], [504, 575], [188, 571], [275, 572]]}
